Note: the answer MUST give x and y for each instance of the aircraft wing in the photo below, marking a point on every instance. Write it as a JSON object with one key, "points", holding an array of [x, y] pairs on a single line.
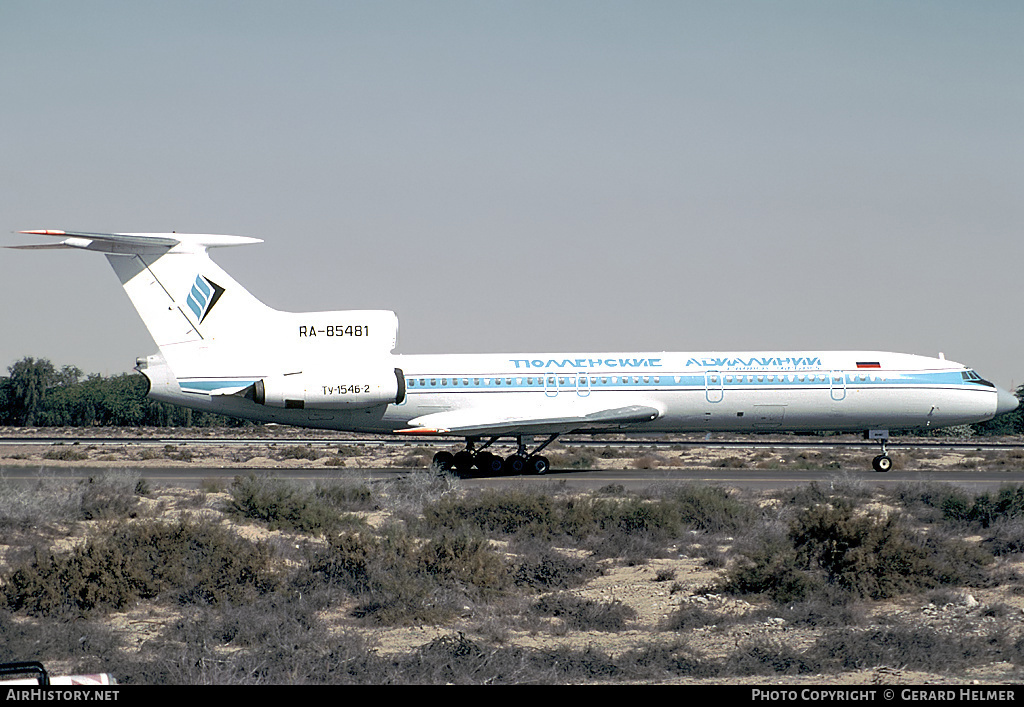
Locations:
{"points": [[548, 419]]}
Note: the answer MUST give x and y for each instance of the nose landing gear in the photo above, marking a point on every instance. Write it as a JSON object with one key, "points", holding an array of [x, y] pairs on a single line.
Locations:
{"points": [[882, 462]]}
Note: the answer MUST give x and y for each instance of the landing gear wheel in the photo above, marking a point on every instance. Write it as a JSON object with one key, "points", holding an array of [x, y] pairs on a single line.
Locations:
{"points": [[515, 464], [443, 461], [881, 463], [463, 461], [539, 465], [489, 463]]}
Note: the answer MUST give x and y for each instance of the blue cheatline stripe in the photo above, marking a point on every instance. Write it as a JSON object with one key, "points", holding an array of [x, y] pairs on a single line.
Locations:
{"points": [[850, 378], [208, 385]]}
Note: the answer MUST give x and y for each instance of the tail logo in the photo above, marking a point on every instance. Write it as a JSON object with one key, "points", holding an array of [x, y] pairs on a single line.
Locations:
{"points": [[203, 296]]}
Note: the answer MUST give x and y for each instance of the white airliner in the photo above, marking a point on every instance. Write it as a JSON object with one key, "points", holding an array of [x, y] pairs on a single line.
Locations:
{"points": [[223, 351]]}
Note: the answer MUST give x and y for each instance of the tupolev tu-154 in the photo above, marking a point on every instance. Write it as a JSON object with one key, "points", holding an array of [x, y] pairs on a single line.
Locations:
{"points": [[221, 350]]}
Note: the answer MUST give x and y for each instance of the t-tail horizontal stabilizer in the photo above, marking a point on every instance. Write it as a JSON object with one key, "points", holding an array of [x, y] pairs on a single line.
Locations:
{"points": [[132, 243]]}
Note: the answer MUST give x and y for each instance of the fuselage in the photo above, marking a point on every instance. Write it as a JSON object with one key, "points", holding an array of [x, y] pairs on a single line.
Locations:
{"points": [[695, 391]]}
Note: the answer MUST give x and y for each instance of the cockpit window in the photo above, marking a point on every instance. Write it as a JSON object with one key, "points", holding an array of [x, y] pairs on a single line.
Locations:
{"points": [[972, 377]]}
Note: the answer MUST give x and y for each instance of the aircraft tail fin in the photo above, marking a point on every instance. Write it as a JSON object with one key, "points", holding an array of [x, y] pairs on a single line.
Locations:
{"points": [[207, 325], [184, 298]]}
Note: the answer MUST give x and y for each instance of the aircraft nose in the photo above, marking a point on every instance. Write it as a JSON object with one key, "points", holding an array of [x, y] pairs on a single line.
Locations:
{"points": [[1005, 401]]}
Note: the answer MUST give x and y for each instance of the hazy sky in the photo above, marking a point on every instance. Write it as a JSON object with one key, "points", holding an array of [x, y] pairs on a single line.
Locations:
{"points": [[531, 176]]}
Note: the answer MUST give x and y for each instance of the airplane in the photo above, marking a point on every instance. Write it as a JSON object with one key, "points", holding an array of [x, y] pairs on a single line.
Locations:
{"points": [[222, 350]]}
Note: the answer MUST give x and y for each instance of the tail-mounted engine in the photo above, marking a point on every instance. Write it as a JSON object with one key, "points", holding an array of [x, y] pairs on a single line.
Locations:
{"points": [[347, 389]]}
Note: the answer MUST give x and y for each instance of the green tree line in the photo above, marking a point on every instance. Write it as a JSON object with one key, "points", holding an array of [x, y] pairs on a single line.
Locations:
{"points": [[35, 393]]}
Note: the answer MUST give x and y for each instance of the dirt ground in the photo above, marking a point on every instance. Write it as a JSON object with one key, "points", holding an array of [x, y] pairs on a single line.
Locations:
{"points": [[638, 587]]}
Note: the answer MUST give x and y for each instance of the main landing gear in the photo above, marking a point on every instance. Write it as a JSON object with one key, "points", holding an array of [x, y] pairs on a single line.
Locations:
{"points": [[520, 462], [882, 462]]}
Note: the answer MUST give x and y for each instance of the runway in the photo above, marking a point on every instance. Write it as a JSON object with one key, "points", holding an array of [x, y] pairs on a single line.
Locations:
{"points": [[583, 480]]}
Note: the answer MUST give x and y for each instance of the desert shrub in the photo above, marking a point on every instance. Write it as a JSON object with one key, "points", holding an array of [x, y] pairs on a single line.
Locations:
{"points": [[610, 452], [860, 554], [307, 452], [40, 505], [711, 509], [412, 493], [399, 579], [829, 608], [805, 495], [346, 495], [268, 621], [767, 656], [815, 460], [461, 558], [659, 660], [540, 567], [91, 646], [1008, 503], [931, 502], [1006, 538], [282, 505], [636, 516], [575, 459], [66, 453], [688, 616], [574, 665], [506, 512], [179, 454], [647, 461], [585, 614], [865, 555], [111, 494], [768, 565], [418, 458], [665, 575], [189, 562], [456, 660], [106, 495], [910, 647]]}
